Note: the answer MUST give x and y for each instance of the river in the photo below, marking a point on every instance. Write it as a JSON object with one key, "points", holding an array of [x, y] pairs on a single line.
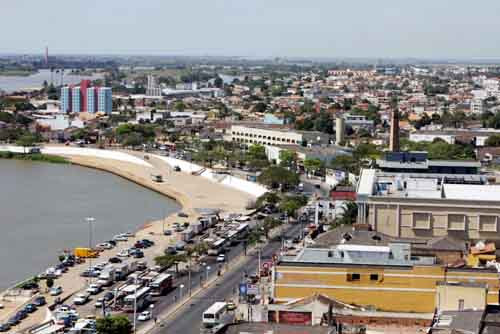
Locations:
{"points": [[43, 208], [11, 84]]}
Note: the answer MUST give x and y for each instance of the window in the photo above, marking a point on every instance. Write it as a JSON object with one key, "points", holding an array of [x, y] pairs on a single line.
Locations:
{"points": [[460, 304], [487, 223], [373, 277], [456, 222], [353, 277], [421, 220]]}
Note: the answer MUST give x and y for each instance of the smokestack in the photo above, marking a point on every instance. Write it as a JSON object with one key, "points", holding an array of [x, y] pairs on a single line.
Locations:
{"points": [[46, 56], [339, 130], [394, 139]]}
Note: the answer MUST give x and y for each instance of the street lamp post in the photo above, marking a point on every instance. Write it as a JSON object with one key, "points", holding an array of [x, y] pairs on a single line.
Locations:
{"points": [[90, 220], [151, 307], [180, 291], [208, 269]]}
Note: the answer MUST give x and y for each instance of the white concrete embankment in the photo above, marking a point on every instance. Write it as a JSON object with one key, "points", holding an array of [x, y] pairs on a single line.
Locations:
{"points": [[79, 151], [248, 187]]}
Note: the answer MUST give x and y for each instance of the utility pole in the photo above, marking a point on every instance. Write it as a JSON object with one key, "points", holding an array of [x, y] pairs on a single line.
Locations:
{"points": [[135, 303], [90, 220], [189, 275]]}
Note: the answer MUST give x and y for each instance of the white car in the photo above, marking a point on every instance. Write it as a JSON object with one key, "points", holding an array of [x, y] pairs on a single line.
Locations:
{"points": [[99, 303], [123, 253], [120, 237], [146, 315], [128, 234], [81, 299], [221, 258], [93, 289], [56, 291], [104, 245]]}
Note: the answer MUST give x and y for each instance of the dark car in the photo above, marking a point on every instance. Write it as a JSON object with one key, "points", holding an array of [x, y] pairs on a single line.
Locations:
{"points": [[4, 327], [115, 260], [29, 286], [39, 301], [112, 242], [139, 244], [183, 215], [21, 314], [14, 320], [138, 254], [170, 251], [30, 308], [177, 169], [167, 232], [108, 296], [147, 242]]}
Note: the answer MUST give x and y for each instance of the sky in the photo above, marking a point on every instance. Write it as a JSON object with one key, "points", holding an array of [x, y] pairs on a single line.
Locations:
{"points": [[254, 28]]}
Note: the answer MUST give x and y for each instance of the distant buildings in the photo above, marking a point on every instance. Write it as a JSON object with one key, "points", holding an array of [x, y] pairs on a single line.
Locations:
{"points": [[276, 136], [153, 88], [85, 98]]}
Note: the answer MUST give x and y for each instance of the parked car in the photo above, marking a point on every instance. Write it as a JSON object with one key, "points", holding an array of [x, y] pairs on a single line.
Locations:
{"points": [[144, 316], [30, 308], [115, 260], [4, 327], [138, 255], [104, 245], [123, 253], [108, 296], [170, 250], [22, 314], [231, 306], [93, 289], [167, 232], [80, 299], [99, 303], [221, 258], [39, 301], [14, 320], [56, 291], [183, 215], [120, 237], [177, 169]]}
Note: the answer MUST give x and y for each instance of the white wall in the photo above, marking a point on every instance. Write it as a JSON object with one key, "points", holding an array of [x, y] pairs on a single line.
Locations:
{"points": [[248, 187], [97, 153]]}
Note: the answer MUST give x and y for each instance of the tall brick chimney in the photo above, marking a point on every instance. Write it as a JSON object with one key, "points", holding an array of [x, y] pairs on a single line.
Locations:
{"points": [[394, 139]]}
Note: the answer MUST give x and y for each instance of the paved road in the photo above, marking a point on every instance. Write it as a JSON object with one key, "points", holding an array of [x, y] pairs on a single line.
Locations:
{"points": [[188, 319]]}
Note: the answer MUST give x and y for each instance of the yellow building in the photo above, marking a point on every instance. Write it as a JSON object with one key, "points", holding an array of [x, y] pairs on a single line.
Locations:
{"points": [[386, 278]]}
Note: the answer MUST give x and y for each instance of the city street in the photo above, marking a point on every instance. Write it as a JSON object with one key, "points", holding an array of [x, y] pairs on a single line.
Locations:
{"points": [[187, 320]]}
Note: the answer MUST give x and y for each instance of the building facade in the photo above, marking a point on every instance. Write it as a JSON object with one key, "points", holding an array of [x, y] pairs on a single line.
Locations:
{"points": [[105, 100], [84, 98], [66, 106], [275, 136], [383, 278]]}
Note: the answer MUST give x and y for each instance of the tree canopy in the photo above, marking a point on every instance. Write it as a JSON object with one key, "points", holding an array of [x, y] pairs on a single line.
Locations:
{"points": [[274, 176], [118, 324]]}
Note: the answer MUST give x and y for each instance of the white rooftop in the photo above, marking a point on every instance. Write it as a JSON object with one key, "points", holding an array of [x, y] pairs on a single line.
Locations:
{"points": [[472, 192]]}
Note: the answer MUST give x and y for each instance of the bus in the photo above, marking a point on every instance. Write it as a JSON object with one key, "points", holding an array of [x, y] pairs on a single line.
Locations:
{"points": [[141, 298], [161, 284], [216, 247], [213, 316]]}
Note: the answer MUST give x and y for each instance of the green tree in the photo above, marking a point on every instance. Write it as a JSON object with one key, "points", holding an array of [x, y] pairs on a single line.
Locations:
{"points": [[275, 176], [49, 282], [288, 158], [179, 106], [345, 163], [493, 140], [118, 324], [257, 152], [26, 140], [313, 165], [349, 215]]}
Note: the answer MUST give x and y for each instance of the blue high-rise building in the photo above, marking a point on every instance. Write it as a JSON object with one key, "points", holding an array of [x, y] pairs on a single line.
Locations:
{"points": [[66, 99], [105, 100], [91, 100], [76, 99]]}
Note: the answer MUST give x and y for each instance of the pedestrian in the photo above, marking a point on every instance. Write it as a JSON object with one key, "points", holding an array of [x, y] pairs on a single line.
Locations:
{"points": [[155, 319], [175, 299]]}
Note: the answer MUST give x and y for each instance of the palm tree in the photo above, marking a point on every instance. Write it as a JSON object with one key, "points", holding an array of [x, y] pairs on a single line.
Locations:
{"points": [[349, 215]]}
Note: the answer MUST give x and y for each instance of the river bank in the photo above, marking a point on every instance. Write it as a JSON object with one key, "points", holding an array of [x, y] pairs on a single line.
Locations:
{"points": [[191, 192], [34, 157]]}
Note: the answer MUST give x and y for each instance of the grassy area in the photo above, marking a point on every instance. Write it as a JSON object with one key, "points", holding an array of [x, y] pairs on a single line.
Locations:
{"points": [[16, 73], [34, 157]]}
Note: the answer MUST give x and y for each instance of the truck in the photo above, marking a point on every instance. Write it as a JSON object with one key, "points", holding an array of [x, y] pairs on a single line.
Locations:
{"points": [[197, 228], [121, 271], [132, 266], [83, 252], [186, 235], [107, 276]]}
